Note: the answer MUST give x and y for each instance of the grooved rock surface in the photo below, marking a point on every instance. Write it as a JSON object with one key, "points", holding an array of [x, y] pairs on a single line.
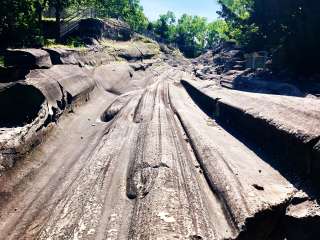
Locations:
{"points": [[129, 151], [288, 127]]}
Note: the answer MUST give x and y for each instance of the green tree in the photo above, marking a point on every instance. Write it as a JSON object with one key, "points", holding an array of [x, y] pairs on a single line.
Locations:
{"points": [[18, 23], [286, 28], [191, 34], [165, 27], [217, 31], [129, 11]]}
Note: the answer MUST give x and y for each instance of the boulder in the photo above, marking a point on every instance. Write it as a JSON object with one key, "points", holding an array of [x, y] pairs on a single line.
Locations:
{"points": [[28, 58], [110, 28], [117, 30], [91, 27], [136, 52], [302, 220], [61, 56], [285, 128]]}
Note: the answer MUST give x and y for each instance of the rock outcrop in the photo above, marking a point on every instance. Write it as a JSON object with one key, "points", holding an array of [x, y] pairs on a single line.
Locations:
{"points": [[286, 126], [124, 141], [28, 58]]}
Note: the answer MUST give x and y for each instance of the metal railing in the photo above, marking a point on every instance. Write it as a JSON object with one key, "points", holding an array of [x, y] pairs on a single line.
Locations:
{"points": [[71, 22]]}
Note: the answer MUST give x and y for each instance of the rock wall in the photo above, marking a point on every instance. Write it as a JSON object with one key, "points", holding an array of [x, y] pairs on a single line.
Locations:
{"points": [[287, 128]]}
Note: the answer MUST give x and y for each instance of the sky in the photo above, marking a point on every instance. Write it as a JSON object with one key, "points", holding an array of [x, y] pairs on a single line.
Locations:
{"points": [[204, 8]]}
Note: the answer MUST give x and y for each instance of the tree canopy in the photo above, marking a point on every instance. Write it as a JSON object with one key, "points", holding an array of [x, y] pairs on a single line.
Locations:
{"points": [[192, 34], [286, 28], [20, 20]]}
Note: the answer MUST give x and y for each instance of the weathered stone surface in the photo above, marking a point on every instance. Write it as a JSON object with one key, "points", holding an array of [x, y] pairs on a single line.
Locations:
{"points": [[90, 56], [109, 28], [118, 30], [76, 82], [28, 58], [284, 126], [138, 51], [302, 220], [118, 104], [145, 159], [30, 107], [121, 78], [248, 187], [263, 85], [23, 112], [62, 56]]}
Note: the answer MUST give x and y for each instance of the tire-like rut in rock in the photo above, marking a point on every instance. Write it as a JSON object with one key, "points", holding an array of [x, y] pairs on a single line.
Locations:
{"points": [[155, 167]]}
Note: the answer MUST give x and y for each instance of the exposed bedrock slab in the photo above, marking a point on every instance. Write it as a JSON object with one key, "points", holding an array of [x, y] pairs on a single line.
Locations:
{"points": [[28, 58], [122, 77], [73, 81], [109, 28], [90, 57], [302, 215], [157, 168], [287, 127], [138, 51], [23, 112], [30, 107], [253, 194]]}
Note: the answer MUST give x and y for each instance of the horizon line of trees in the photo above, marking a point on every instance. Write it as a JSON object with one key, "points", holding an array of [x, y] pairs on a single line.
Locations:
{"points": [[287, 29], [192, 34], [21, 23]]}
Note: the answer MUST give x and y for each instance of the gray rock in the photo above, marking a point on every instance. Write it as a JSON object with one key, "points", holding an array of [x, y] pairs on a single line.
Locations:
{"points": [[109, 28], [283, 126], [28, 58], [302, 220], [62, 56]]}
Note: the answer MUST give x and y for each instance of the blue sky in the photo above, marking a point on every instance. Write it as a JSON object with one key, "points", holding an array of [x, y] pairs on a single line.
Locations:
{"points": [[204, 8]]}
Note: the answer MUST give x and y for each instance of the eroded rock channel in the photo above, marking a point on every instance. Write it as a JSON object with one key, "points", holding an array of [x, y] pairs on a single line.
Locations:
{"points": [[112, 149]]}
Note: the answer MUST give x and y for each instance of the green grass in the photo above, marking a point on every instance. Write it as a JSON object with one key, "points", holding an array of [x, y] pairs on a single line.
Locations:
{"points": [[2, 61], [51, 43], [49, 19]]}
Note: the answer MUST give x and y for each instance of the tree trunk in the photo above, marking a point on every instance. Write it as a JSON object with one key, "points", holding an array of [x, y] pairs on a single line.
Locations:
{"points": [[58, 20]]}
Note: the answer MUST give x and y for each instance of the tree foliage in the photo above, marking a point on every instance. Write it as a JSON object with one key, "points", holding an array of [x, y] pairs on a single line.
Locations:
{"points": [[286, 28], [165, 27], [129, 11], [192, 34], [20, 20]]}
